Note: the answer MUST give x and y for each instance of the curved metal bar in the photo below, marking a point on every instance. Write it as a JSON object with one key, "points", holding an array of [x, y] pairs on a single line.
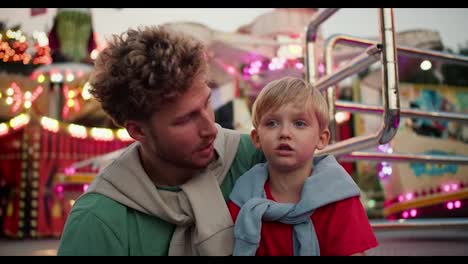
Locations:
{"points": [[402, 50], [311, 38], [404, 112], [405, 157], [361, 62], [390, 97], [419, 224]]}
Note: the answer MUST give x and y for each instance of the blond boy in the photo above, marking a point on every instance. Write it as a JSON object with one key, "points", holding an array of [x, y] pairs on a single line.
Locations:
{"points": [[288, 206]]}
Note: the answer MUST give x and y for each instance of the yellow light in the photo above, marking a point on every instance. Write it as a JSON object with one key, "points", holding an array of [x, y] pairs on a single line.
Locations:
{"points": [[10, 91], [94, 54], [341, 117], [123, 135], [50, 124], [27, 104], [70, 103], [296, 50], [9, 100], [3, 129], [56, 77], [72, 202], [426, 65], [41, 78], [77, 131], [19, 121], [70, 77], [27, 95], [10, 33], [102, 134], [85, 92], [71, 94]]}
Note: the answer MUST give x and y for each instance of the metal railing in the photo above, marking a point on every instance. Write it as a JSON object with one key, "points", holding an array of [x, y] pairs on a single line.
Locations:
{"points": [[414, 224], [390, 111]]}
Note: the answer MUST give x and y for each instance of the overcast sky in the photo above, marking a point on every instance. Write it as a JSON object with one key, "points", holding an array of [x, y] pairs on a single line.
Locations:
{"points": [[451, 23]]}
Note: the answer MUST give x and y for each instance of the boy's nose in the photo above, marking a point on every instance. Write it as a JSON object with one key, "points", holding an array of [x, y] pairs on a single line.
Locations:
{"points": [[285, 132]]}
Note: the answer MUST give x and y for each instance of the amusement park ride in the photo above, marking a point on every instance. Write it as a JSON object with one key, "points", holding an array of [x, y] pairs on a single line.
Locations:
{"points": [[48, 163]]}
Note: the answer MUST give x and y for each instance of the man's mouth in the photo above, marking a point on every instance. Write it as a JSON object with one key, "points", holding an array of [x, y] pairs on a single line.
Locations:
{"points": [[206, 146]]}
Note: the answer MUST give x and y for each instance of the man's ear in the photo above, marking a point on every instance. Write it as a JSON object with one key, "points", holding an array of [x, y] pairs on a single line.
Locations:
{"points": [[255, 139], [135, 130], [323, 139]]}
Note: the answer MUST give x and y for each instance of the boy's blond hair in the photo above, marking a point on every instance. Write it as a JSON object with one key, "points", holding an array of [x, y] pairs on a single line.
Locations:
{"points": [[290, 90]]}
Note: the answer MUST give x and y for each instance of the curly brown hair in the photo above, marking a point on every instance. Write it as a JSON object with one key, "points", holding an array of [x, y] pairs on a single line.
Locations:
{"points": [[141, 69]]}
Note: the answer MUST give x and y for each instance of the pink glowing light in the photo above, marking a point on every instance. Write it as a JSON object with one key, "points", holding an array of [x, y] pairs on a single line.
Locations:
{"points": [[413, 212], [256, 64], [231, 70], [446, 188], [405, 214], [450, 205], [454, 186], [400, 198], [457, 204], [321, 68], [59, 188], [70, 171], [85, 187], [299, 65], [271, 66], [409, 196]]}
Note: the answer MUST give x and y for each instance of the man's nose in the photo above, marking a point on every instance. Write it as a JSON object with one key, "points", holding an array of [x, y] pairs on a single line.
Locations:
{"points": [[208, 128]]}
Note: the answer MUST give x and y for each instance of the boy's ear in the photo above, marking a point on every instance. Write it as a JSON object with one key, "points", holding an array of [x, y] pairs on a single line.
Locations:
{"points": [[323, 139], [255, 139], [135, 130]]}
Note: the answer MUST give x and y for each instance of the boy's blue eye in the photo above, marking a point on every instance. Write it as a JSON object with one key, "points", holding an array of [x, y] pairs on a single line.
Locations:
{"points": [[271, 123], [299, 123]]}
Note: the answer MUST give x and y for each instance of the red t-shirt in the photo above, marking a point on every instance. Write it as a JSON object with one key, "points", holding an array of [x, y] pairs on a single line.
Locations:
{"points": [[342, 229]]}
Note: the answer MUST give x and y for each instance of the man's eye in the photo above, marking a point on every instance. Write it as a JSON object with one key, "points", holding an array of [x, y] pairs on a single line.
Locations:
{"points": [[184, 120]]}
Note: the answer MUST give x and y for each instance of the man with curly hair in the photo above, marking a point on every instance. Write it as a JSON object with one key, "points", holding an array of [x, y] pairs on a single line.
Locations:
{"points": [[166, 194]]}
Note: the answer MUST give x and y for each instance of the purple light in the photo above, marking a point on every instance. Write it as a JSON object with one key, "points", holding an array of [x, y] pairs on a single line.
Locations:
{"points": [[450, 205], [405, 214], [413, 212], [457, 204]]}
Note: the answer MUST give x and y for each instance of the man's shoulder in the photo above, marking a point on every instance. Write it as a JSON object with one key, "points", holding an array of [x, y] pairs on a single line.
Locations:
{"points": [[98, 205]]}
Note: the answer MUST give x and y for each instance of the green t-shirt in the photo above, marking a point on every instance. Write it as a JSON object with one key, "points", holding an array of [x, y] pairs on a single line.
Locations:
{"points": [[98, 225]]}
